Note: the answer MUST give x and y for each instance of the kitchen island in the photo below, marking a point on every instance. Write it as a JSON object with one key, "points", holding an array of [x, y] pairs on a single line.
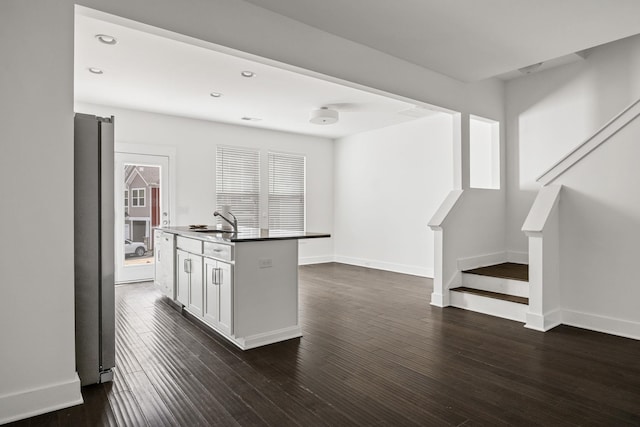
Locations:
{"points": [[242, 285]]}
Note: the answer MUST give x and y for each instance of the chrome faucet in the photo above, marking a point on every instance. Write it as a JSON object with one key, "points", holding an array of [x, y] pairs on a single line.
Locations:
{"points": [[234, 224]]}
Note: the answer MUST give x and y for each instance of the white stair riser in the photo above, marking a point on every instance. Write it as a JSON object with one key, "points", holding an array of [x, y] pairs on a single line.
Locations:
{"points": [[516, 288], [494, 307]]}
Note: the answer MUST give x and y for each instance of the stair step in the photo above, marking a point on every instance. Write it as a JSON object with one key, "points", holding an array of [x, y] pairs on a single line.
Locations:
{"points": [[505, 270], [499, 285], [495, 295], [491, 303]]}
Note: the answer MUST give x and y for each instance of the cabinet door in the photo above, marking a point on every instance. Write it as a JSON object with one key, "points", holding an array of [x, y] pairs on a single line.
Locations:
{"points": [[211, 293], [195, 285], [225, 288], [167, 259], [158, 267], [182, 276]]}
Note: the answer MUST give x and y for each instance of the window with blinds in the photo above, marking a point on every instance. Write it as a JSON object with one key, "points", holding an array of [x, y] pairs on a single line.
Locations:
{"points": [[238, 183], [286, 191]]}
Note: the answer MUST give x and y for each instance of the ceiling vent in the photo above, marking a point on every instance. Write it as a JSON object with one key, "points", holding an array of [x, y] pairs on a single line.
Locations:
{"points": [[324, 116]]}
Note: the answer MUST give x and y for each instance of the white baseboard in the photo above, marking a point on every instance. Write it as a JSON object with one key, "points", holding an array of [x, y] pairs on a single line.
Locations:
{"points": [[29, 403], [492, 259], [315, 259], [481, 260], [439, 300], [253, 341], [387, 266], [544, 323], [608, 325], [518, 257]]}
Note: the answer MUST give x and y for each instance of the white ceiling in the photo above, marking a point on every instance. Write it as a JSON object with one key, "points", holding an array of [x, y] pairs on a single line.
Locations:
{"points": [[150, 72], [469, 40]]}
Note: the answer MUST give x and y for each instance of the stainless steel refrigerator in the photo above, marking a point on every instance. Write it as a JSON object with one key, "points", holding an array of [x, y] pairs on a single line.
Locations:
{"points": [[94, 248]]}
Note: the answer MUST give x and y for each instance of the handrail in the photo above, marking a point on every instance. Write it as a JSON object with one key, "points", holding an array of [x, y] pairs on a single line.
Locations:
{"points": [[612, 127]]}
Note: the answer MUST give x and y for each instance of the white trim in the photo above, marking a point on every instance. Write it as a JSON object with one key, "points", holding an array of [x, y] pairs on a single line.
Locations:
{"points": [[144, 198], [387, 266], [608, 325], [518, 257], [481, 260], [253, 341], [544, 323], [439, 300], [29, 403], [601, 136], [321, 259], [155, 150]]}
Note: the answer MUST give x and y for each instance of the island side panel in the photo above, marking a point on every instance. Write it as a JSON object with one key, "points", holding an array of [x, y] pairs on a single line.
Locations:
{"points": [[265, 287]]}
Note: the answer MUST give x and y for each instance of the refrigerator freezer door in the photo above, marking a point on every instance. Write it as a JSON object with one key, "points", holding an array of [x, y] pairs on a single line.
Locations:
{"points": [[94, 237]]}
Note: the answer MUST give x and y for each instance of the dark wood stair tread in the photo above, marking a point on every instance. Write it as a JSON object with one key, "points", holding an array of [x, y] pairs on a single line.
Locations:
{"points": [[495, 295], [506, 270]]}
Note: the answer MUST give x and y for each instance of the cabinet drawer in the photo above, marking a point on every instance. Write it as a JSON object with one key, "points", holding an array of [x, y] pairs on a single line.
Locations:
{"points": [[218, 250], [190, 245]]}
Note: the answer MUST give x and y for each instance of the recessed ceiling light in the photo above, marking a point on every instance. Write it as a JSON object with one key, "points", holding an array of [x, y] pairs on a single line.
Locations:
{"points": [[106, 39], [95, 70], [247, 74], [215, 94], [250, 119]]}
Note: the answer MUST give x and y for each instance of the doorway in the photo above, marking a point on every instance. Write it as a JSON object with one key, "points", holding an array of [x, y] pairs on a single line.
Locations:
{"points": [[141, 204]]}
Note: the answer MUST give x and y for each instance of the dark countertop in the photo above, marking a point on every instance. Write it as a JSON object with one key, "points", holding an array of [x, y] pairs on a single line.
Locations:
{"points": [[244, 234]]}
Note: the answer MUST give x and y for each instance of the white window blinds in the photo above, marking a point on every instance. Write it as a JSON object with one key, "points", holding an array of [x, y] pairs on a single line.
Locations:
{"points": [[238, 183], [286, 191]]}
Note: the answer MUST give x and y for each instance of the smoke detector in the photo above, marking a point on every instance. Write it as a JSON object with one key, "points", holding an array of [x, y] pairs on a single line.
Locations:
{"points": [[323, 116]]}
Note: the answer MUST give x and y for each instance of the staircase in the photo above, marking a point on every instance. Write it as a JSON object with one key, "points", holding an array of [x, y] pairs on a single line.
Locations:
{"points": [[500, 290]]}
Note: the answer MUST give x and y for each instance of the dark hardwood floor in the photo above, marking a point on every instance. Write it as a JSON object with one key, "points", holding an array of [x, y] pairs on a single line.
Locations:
{"points": [[505, 270], [374, 353]]}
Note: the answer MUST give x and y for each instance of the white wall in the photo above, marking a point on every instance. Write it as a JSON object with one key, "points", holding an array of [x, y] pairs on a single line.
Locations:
{"points": [[37, 344], [195, 142], [599, 235], [552, 112], [37, 134], [388, 184]]}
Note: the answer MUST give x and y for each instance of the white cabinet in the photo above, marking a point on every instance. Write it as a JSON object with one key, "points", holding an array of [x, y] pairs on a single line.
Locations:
{"points": [[164, 248], [218, 291], [190, 291]]}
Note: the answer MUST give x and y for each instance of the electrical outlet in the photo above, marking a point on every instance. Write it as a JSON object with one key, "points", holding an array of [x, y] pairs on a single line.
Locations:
{"points": [[265, 262]]}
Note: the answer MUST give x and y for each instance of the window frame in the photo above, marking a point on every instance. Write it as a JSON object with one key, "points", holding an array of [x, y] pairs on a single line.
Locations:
{"points": [[138, 197]]}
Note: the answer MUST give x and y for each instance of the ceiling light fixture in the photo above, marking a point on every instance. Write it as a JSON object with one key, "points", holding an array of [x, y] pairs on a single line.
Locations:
{"points": [[247, 74], [215, 94], [323, 116], [95, 70], [106, 39]]}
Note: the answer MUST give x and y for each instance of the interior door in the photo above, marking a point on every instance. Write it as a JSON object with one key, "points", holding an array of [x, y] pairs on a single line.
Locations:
{"points": [[141, 204]]}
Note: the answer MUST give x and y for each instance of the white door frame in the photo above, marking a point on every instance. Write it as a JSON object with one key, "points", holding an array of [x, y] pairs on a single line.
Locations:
{"points": [[143, 272]]}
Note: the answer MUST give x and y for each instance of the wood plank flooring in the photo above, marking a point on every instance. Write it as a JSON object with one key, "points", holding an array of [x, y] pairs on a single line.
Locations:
{"points": [[374, 353], [495, 295], [505, 270]]}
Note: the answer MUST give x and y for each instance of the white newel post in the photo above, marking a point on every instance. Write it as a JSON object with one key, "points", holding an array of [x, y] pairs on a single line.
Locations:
{"points": [[443, 267], [542, 229]]}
